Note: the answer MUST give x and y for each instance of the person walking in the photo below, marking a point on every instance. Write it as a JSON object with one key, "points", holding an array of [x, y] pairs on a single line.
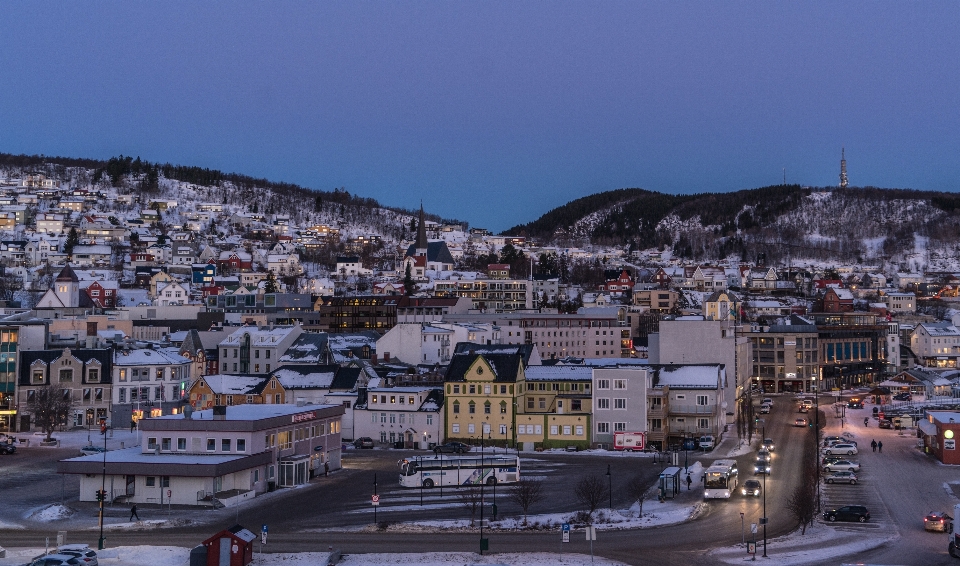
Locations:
{"points": [[873, 444], [133, 512], [880, 446], [133, 425], [326, 469], [689, 482]]}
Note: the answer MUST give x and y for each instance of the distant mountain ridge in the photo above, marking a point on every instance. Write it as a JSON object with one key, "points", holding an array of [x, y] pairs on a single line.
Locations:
{"points": [[782, 222]]}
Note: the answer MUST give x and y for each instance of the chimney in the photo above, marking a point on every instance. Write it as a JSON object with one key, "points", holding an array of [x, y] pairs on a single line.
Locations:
{"points": [[220, 413], [91, 328], [386, 357]]}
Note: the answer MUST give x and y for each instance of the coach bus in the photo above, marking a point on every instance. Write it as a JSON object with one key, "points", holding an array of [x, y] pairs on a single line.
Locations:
{"points": [[429, 471], [720, 480]]}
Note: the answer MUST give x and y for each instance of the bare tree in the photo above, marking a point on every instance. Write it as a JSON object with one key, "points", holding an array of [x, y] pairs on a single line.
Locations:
{"points": [[802, 505], [526, 493], [636, 488], [470, 498], [590, 492], [50, 405]]}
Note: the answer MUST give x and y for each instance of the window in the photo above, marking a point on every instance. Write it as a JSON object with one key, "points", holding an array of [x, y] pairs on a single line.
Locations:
{"points": [[566, 430], [472, 408], [456, 407], [225, 445], [164, 481], [579, 430], [543, 402], [530, 403], [123, 395], [503, 407], [151, 444], [181, 444], [603, 403], [151, 481], [37, 376], [241, 445], [93, 375], [486, 389], [702, 400], [471, 428], [455, 428], [619, 383], [619, 427], [211, 445], [553, 430], [66, 375], [429, 419], [165, 444], [703, 423], [486, 408], [285, 439], [619, 403]]}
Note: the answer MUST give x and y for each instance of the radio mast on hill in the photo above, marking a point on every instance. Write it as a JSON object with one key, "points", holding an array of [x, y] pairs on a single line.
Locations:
{"points": [[843, 169]]}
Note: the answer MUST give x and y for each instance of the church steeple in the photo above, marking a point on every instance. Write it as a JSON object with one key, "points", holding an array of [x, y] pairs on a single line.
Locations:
{"points": [[421, 245], [843, 169]]}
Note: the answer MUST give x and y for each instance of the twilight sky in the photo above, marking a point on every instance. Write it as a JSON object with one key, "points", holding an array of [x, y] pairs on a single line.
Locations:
{"points": [[494, 112]]}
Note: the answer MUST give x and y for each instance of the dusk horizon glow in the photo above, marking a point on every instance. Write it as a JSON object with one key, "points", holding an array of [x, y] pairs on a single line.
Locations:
{"points": [[494, 112]]}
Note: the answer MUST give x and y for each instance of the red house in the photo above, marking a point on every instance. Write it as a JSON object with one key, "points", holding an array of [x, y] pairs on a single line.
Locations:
{"points": [[837, 300], [235, 542], [103, 297], [620, 286]]}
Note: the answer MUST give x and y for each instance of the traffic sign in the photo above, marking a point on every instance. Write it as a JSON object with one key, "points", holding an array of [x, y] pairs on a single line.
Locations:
{"points": [[565, 529], [169, 493], [591, 533], [263, 534], [753, 528], [375, 499]]}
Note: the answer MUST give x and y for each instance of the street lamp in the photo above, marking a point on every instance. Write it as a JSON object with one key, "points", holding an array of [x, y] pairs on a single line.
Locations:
{"points": [[610, 484], [763, 429], [482, 481], [816, 437]]}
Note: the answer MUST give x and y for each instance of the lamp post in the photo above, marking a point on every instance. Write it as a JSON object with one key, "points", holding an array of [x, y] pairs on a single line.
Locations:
{"points": [[763, 429], [103, 482], [482, 481], [610, 486]]}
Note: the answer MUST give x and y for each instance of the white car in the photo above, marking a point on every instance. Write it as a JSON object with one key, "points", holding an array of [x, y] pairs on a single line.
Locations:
{"points": [[767, 401], [842, 466], [841, 448]]}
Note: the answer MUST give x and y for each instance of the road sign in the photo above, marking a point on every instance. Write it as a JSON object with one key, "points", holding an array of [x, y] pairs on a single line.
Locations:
{"points": [[753, 528], [169, 493], [375, 499], [565, 529], [591, 533], [751, 548], [263, 529]]}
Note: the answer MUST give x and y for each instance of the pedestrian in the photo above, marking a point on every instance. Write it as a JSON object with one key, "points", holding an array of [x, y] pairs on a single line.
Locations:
{"points": [[880, 446], [133, 512], [326, 469], [689, 482], [133, 425], [866, 421], [873, 444]]}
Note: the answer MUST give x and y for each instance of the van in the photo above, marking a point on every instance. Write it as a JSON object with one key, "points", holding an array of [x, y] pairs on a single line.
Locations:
{"points": [[707, 442]]}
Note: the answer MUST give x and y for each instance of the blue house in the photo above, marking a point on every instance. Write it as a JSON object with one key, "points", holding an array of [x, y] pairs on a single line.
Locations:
{"points": [[203, 273]]}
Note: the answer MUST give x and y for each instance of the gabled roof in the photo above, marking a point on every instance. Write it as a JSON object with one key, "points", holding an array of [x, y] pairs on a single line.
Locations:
{"points": [[692, 376], [67, 274], [524, 350], [306, 377], [437, 252], [506, 367], [234, 384]]}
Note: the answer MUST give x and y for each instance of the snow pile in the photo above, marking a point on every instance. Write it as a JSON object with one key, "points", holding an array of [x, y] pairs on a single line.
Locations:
{"points": [[52, 513]]}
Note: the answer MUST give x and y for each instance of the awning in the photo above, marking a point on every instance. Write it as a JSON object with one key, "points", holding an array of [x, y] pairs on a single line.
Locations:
{"points": [[927, 428]]}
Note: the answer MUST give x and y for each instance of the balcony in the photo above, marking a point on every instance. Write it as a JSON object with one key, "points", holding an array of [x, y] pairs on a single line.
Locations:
{"points": [[693, 409]]}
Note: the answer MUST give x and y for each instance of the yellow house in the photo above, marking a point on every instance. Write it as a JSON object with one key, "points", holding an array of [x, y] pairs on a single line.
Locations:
{"points": [[481, 396], [490, 396]]}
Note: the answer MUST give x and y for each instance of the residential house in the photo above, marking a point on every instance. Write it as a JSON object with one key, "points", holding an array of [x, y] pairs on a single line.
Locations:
{"points": [[148, 383], [83, 375], [411, 417], [256, 350]]}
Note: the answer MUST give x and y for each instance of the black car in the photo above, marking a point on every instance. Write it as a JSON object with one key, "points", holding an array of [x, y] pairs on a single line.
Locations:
{"points": [[885, 424], [903, 397], [857, 513], [452, 447], [363, 442], [7, 448]]}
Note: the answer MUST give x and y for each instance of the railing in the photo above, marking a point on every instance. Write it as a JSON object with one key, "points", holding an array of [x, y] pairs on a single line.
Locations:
{"points": [[693, 409]]}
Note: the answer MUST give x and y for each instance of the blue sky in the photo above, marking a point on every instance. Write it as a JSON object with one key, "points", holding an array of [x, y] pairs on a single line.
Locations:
{"points": [[494, 112]]}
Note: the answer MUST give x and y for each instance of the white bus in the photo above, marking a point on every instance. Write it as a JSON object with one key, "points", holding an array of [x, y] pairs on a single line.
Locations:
{"points": [[720, 481], [429, 471]]}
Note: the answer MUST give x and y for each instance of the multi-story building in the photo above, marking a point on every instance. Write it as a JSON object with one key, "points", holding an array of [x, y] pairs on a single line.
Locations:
{"points": [[411, 417], [83, 374], [656, 300], [356, 313], [936, 344], [900, 303], [15, 337], [148, 383], [620, 404], [687, 400], [255, 350], [555, 408], [500, 295], [482, 396]]}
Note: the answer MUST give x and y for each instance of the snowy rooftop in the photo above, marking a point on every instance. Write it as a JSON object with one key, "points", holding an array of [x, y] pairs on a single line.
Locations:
{"points": [[689, 376], [250, 412], [136, 455], [291, 379], [559, 373], [148, 357]]}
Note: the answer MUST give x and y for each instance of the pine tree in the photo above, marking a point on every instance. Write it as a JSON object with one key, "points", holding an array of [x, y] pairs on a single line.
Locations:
{"points": [[408, 284], [270, 286], [73, 240]]}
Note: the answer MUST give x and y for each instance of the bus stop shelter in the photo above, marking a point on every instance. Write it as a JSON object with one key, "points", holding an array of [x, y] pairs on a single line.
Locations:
{"points": [[670, 482]]}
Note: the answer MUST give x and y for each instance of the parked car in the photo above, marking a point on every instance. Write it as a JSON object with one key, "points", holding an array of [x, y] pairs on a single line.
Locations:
{"points": [[767, 444], [88, 450], [81, 551], [57, 560], [800, 422], [847, 465], [751, 487], [363, 442], [903, 397], [938, 522], [848, 513], [831, 440], [707, 442], [7, 448], [841, 448], [452, 447], [761, 467], [841, 477], [831, 459], [885, 424]]}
